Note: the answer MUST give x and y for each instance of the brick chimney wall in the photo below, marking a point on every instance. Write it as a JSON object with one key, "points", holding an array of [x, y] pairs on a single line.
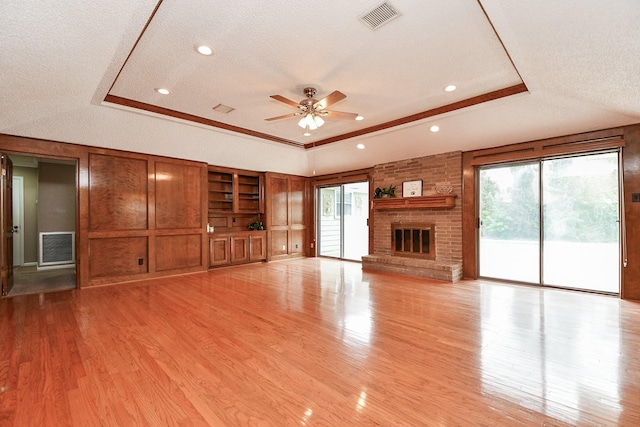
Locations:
{"points": [[439, 170]]}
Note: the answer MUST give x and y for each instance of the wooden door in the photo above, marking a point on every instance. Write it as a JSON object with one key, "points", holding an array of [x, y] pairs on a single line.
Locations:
{"points": [[6, 213]]}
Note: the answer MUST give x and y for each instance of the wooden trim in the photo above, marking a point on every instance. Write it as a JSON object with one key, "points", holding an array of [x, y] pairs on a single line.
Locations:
{"points": [[469, 215], [195, 119], [343, 177], [491, 96], [144, 29], [480, 99], [495, 32], [570, 144]]}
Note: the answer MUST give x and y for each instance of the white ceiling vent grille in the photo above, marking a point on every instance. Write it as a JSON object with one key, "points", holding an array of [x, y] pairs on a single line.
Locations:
{"points": [[221, 108], [380, 15]]}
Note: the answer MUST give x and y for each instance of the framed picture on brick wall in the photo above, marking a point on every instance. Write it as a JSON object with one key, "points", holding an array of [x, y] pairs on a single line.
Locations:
{"points": [[412, 188]]}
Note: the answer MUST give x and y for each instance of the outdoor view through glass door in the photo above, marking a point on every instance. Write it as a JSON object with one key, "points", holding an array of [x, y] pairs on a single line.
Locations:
{"points": [[552, 222], [342, 221]]}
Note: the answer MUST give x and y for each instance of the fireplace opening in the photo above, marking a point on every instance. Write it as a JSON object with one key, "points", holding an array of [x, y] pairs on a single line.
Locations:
{"points": [[413, 240]]}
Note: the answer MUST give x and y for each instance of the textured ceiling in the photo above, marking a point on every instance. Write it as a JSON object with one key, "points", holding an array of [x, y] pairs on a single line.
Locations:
{"points": [[61, 61]]}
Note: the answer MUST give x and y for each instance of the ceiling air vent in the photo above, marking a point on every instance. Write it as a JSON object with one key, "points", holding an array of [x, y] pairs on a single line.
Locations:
{"points": [[380, 15], [221, 108]]}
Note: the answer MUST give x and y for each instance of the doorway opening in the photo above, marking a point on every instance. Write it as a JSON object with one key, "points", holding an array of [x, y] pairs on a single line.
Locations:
{"points": [[342, 218], [44, 198], [552, 222]]}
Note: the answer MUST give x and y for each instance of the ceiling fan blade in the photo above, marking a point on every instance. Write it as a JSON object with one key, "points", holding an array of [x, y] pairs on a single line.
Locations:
{"points": [[339, 115], [286, 116], [285, 100], [332, 98]]}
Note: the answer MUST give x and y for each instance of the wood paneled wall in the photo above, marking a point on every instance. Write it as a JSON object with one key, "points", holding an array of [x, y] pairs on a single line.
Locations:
{"points": [[285, 215], [118, 193], [139, 216]]}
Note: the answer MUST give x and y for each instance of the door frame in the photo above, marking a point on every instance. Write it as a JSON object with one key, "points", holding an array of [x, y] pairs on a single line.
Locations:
{"points": [[320, 206], [6, 230], [18, 207]]}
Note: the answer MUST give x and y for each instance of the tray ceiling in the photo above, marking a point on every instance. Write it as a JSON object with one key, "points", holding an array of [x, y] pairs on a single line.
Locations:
{"points": [[392, 75]]}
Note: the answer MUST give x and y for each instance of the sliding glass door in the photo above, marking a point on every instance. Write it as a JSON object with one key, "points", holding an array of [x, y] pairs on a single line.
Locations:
{"points": [[342, 221], [581, 222], [509, 242], [552, 222]]}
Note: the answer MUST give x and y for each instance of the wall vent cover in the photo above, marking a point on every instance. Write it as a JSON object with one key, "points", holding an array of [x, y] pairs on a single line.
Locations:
{"points": [[379, 15], [57, 248]]}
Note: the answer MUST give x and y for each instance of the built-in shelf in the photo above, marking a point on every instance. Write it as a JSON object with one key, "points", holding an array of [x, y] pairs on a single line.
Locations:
{"points": [[232, 191], [440, 201]]}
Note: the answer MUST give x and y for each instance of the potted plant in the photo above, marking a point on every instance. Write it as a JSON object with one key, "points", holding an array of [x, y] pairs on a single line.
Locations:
{"points": [[389, 191], [256, 225]]}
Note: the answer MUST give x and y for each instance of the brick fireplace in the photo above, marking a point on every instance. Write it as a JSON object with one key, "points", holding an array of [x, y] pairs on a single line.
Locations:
{"points": [[444, 219]]}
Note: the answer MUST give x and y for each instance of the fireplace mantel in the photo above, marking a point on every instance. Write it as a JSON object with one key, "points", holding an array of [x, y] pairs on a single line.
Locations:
{"points": [[440, 201]]}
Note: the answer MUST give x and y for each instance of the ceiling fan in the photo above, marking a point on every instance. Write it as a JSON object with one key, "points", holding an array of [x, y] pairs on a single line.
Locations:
{"points": [[312, 110]]}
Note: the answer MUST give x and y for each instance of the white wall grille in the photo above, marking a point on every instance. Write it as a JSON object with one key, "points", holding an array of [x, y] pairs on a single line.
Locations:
{"points": [[57, 247]]}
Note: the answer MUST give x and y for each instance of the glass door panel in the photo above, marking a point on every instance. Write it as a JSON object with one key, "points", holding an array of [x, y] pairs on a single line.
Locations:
{"points": [[509, 241], [343, 212], [355, 215], [329, 231], [581, 229]]}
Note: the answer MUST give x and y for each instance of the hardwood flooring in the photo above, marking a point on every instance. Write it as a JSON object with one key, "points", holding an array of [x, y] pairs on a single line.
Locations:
{"points": [[28, 280], [317, 342]]}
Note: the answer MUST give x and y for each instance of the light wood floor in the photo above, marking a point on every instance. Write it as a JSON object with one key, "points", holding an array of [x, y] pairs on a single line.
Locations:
{"points": [[316, 342]]}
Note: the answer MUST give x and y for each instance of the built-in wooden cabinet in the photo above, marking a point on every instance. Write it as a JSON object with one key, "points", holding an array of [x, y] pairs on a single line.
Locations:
{"points": [[237, 247], [235, 200], [235, 192]]}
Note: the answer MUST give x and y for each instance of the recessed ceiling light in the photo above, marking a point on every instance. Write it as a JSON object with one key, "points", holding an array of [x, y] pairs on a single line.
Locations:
{"points": [[360, 146], [359, 118], [434, 128], [450, 88], [162, 91], [307, 134], [205, 50]]}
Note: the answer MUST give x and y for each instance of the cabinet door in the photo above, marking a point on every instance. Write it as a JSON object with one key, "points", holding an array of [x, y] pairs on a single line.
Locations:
{"points": [[219, 251], [239, 249], [257, 247]]}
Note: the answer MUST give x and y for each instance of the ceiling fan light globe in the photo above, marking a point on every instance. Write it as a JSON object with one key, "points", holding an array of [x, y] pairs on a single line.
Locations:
{"points": [[319, 121], [308, 122]]}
